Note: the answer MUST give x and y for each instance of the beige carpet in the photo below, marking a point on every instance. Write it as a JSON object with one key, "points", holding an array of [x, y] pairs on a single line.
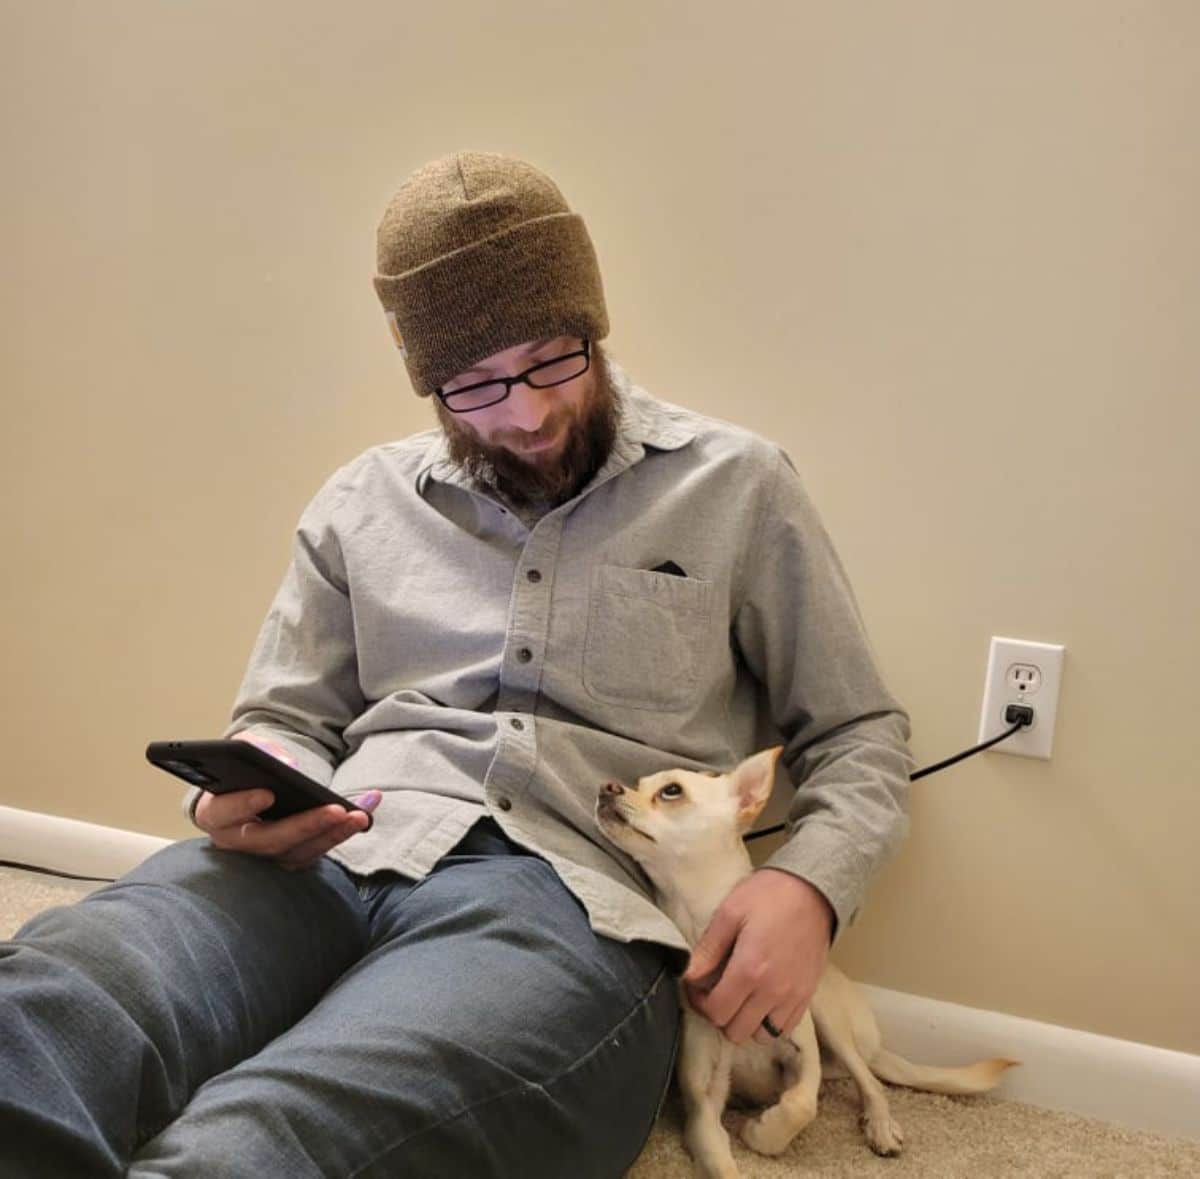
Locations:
{"points": [[945, 1137]]}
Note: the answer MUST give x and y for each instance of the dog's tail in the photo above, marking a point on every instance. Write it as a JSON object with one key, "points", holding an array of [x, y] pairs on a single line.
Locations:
{"points": [[972, 1078]]}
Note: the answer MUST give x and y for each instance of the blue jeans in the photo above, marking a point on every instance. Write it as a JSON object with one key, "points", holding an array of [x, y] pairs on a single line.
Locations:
{"points": [[214, 1015]]}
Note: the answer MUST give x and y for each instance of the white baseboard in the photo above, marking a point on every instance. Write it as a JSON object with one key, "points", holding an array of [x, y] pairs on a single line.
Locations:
{"points": [[1131, 1084], [1136, 1085], [68, 845]]}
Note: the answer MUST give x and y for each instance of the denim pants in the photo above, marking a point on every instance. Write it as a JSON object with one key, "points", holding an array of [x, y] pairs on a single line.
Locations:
{"points": [[212, 1014]]}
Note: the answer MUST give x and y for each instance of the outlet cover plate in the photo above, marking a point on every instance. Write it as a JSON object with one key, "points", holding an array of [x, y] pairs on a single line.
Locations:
{"points": [[1022, 672]]}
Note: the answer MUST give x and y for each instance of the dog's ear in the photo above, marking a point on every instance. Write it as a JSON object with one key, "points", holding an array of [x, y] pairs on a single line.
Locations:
{"points": [[751, 784]]}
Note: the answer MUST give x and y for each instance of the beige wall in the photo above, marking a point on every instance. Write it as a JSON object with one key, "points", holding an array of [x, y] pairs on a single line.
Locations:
{"points": [[945, 252]]}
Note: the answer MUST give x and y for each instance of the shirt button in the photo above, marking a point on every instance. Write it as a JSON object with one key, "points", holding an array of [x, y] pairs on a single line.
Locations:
{"points": [[524, 655], [517, 723], [533, 575], [504, 804]]}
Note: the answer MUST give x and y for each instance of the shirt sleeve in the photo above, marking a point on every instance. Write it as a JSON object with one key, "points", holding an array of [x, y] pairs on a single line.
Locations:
{"points": [[800, 631], [301, 686]]}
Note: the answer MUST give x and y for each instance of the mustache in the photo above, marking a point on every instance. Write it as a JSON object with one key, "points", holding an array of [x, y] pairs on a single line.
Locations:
{"points": [[550, 428]]}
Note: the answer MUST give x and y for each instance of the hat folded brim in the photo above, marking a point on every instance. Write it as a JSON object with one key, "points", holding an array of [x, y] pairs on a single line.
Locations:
{"points": [[535, 281]]}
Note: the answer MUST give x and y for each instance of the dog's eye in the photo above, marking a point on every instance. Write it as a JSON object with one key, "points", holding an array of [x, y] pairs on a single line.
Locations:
{"points": [[671, 790]]}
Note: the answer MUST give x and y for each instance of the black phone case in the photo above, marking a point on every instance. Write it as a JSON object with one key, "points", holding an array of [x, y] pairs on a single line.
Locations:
{"points": [[224, 765]]}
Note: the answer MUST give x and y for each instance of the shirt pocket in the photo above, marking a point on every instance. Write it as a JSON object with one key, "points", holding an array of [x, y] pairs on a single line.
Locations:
{"points": [[645, 637]]}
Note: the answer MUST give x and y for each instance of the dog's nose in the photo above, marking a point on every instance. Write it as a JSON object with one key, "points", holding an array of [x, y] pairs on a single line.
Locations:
{"points": [[613, 788]]}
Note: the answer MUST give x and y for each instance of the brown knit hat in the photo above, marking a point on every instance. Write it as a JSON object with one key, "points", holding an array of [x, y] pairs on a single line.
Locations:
{"points": [[478, 252]]}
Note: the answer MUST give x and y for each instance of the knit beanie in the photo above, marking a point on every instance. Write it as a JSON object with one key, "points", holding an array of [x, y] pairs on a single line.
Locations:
{"points": [[478, 252]]}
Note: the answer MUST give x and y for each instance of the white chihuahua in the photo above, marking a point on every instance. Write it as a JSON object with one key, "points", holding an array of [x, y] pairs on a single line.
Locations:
{"points": [[685, 830]]}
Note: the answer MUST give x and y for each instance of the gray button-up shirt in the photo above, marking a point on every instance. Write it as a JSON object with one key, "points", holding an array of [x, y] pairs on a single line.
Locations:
{"points": [[432, 643]]}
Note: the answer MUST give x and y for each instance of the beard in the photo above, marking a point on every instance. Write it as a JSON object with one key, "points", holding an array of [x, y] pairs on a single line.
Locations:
{"points": [[590, 431]]}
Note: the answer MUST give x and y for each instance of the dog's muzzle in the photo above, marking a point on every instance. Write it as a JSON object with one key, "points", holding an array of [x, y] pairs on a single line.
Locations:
{"points": [[607, 806]]}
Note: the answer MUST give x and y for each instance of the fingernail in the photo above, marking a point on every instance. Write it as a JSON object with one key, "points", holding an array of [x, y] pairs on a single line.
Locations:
{"points": [[370, 800]]}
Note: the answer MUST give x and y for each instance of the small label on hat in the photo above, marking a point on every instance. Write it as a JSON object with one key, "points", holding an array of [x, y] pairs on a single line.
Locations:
{"points": [[391, 318]]}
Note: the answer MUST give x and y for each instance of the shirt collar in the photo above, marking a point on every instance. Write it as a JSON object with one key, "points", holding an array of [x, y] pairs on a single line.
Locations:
{"points": [[643, 422]]}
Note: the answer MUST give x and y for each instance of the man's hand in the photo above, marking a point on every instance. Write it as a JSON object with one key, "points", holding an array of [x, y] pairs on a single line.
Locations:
{"points": [[231, 820], [763, 954]]}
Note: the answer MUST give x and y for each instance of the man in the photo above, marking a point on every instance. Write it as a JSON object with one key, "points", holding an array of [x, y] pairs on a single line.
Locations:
{"points": [[568, 582]]}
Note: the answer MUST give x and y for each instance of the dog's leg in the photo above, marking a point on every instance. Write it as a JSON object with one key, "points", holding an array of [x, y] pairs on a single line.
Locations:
{"points": [[773, 1130], [705, 1062], [836, 1031]]}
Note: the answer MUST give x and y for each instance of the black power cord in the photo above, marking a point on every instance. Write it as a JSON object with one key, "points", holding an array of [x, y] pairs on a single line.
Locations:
{"points": [[1020, 713], [54, 872]]}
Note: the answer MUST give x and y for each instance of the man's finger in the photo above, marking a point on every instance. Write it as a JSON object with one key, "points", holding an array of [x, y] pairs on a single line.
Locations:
{"points": [[216, 811], [723, 1001], [792, 1018], [280, 837], [770, 1029], [763, 1037], [713, 948], [312, 850], [748, 1021], [745, 980]]}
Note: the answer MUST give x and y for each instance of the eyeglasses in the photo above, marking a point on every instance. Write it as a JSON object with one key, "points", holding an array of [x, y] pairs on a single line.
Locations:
{"points": [[546, 375]]}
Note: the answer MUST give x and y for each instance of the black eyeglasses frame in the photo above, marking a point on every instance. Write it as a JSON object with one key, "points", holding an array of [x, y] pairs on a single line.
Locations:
{"points": [[522, 378]]}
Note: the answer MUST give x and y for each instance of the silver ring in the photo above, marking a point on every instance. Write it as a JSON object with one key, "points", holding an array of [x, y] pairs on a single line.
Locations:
{"points": [[771, 1028]]}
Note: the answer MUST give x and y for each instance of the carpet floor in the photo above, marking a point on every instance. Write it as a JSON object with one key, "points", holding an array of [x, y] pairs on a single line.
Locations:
{"points": [[945, 1137]]}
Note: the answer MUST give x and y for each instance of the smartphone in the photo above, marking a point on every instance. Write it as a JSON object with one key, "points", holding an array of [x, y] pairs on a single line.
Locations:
{"points": [[224, 765]]}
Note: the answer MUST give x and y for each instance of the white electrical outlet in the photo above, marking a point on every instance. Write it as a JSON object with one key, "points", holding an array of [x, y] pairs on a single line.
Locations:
{"points": [[1020, 672]]}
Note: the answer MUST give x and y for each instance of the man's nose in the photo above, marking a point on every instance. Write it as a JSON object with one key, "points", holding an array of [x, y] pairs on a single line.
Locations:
{"points": [[528, 407]]}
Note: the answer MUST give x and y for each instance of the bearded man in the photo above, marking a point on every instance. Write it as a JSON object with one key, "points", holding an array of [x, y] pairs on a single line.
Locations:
{"points": [[567, 581]]}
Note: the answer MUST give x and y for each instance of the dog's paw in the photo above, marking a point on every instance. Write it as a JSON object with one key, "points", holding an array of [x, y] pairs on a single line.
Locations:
{"points": [[716, 1169], [884, 1136], [711, 1157], [772, 1131]]}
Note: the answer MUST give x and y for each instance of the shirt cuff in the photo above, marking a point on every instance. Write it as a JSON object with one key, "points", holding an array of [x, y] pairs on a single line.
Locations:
{"points": [[829, 862], [190, 798]]}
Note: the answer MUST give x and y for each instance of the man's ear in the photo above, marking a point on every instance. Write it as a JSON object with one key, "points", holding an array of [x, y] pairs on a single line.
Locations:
{"points": [[751, 784]]}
